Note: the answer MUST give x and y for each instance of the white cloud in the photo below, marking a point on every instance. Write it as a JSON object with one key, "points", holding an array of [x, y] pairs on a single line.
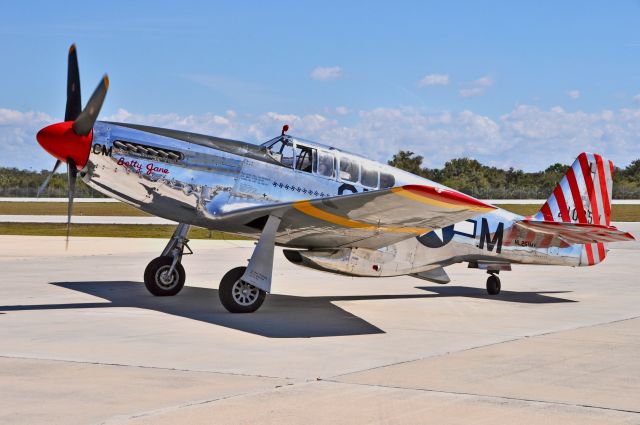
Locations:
{"points": [[485, 81], [18, 139], [534, 132], [636, 98], [434, 80], [477, 88], [268, 125], [573, 94], [327, 73], [471, 92], [204, 123], [342, 110], [11, 117], [526, 137]]}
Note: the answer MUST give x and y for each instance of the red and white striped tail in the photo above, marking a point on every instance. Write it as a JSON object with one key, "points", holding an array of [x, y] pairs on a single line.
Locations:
{"points": [[583, 196]]}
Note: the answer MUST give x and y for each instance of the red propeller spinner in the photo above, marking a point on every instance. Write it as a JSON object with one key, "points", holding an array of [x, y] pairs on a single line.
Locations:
{"points": [[63, 143]]}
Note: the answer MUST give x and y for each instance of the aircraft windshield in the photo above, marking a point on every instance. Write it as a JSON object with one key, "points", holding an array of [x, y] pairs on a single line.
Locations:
{"points": [[292, 153], [281, 149]]}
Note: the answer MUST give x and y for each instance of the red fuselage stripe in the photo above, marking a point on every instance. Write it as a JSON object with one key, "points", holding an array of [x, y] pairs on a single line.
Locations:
{"points": [[603, 189], [577, 204], [575, 194], [591, 193], [562, 205], [546, 212]]}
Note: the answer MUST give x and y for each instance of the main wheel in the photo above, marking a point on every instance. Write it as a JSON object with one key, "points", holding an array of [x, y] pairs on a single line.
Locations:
{"points": [[158, 280], [238, 296], [493, 285]]}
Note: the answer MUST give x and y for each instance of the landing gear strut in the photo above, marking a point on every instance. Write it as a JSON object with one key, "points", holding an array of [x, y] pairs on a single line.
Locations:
{"points": [[164, 275], [493, 283]]}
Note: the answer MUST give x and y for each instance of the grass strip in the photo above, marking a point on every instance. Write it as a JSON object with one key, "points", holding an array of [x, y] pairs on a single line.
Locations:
{"points": [[60, 208], [109, 230]]}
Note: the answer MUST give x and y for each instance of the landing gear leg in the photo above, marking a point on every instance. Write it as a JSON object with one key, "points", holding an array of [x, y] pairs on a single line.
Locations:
{"points": [[243, 289], [493, 283], [164, 275]]}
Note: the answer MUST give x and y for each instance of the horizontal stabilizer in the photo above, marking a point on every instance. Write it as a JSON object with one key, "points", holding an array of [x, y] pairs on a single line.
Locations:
{"points": [[576, 233]]}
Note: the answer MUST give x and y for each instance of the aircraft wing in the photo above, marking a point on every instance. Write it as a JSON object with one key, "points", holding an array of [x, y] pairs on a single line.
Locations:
{"points": [[368, 219], [556, 233]]}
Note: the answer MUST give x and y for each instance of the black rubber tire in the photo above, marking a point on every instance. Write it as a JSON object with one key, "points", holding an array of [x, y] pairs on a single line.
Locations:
{"points": [[153, 275], [226, 293], [493, 285]]}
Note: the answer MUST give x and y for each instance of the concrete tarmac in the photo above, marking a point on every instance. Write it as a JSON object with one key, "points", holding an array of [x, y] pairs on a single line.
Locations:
{"points": [[82, 342]]}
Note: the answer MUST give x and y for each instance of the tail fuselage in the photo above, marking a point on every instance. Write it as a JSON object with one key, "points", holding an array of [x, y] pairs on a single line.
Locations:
{"points": [[490, 241]]}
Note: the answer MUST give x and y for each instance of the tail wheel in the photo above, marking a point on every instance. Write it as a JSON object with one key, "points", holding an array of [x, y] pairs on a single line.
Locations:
{"points": [[159, 281], [493, 285], [238, 296]]}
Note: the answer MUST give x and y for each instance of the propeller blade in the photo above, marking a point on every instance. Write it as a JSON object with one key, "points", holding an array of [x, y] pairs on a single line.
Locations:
{"points": [[84, 123], [72, 173], [44, 185], [74, 101]]}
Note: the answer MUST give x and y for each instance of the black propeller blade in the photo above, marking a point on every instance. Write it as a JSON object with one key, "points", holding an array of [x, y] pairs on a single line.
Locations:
{"points": [[72, 173], [84, 123], [74, 103], [44, 185], [74, 100]]}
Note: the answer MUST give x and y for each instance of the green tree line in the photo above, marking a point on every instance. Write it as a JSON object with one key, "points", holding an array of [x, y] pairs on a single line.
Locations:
{"points": [[471, 177], [25, 183]]}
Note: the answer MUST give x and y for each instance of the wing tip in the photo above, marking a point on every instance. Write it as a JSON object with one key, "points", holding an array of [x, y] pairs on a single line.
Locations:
{"points": [[449, 195]]}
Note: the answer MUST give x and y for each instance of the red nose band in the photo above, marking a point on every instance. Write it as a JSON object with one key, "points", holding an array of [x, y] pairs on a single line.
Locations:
{"points": [[62, 142]]}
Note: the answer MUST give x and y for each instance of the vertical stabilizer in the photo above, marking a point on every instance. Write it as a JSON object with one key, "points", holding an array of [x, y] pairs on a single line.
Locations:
{"points": [[583, 196]]}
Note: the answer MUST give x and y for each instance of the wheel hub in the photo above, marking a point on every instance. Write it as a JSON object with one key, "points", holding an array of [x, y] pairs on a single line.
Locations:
{"points": [[165, 279], [244, 293]]}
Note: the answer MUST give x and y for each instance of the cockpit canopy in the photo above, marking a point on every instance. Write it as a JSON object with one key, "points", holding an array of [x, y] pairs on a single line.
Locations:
{"points": [[328, 162]]}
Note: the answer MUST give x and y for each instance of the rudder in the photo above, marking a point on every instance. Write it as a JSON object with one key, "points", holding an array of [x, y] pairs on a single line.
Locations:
{"points": [[583, 196]]}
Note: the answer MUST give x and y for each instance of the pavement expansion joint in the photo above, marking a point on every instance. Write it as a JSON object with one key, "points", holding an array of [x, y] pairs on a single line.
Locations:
{"points": [[169, 369], [155, 412], [426, 357], [506, 341], [487, 396]]}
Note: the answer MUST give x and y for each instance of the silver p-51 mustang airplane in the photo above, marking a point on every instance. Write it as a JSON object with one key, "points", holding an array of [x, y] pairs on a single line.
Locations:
{"points": [[333, 210]]}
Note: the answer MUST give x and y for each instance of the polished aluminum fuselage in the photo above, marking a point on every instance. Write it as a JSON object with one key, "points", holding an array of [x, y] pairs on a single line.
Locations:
{"points": [[202, 181]]}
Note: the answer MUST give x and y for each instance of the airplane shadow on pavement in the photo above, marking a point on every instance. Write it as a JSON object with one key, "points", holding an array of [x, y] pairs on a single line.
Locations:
{"points": [[281, 316]]}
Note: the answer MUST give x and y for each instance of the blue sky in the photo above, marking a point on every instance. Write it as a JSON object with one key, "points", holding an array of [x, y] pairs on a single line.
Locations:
{"points": [[520, 84]]}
